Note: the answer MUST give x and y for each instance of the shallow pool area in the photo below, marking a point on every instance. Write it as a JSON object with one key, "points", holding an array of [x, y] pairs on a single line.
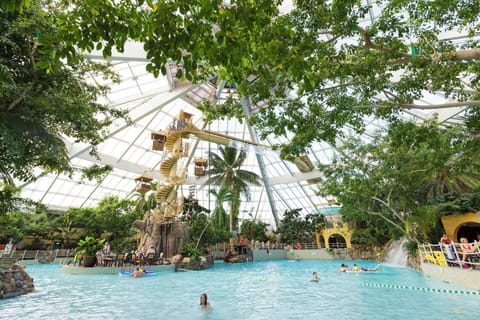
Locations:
{"points": [[258, 290]]}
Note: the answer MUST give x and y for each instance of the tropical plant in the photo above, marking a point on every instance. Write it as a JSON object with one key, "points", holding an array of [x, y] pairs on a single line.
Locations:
{"points": [[12, 226], [40, 226], [144, 201], [390, 182], [254, 230], [295, 228], [13, 5], [112, 217], [226, 173], [360, 78], [96, 172], [89, 246], [201, 231], [315, 222], [192, 208], [342, 62], [191, 251], [220, 220], [421, 223], [36, 109], [458, 204]]}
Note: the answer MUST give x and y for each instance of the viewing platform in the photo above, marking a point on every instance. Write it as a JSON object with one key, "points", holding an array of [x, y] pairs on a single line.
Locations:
{"points": [[445, 263]]}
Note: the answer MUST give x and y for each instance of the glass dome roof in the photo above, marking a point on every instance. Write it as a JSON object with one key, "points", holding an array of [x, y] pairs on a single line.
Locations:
{"points": [[152, 104]]}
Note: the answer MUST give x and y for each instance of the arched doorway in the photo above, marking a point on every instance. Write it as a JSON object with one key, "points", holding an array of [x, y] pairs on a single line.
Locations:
{"points": [[469, 230], [336, 241], [462, 225]]}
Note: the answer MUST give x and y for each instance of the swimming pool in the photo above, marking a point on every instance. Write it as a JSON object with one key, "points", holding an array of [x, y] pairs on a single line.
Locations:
{"points": [[259, 290]]}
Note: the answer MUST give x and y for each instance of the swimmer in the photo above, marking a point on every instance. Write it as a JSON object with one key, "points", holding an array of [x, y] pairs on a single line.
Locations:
{"points": [[371, 269], [137, 273], [204, 301], [344, 268], [360, 269], [315, 277]]}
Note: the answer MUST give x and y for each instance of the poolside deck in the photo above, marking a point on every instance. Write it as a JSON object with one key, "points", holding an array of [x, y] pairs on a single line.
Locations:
{"points": [[466, 278], [446, 265]]}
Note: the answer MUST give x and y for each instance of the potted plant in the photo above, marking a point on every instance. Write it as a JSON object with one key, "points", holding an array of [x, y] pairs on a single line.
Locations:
{"points": [[88, 248]]}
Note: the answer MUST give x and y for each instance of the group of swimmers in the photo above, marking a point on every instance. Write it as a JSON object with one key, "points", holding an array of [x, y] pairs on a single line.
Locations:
{"points": [[315, 278], [344, 268]]}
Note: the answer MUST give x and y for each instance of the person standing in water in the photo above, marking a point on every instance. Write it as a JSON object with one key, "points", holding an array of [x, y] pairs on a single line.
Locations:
{"points": [[204, 301]]}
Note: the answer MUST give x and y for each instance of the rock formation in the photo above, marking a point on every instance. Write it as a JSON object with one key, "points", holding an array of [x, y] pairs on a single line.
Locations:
{"points": [[14, 282], [166, 236]]}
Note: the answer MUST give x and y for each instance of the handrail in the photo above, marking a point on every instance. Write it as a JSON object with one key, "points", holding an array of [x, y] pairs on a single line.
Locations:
{"points": [[36, 254], [273, 246], [337, 252], [450, 255]]}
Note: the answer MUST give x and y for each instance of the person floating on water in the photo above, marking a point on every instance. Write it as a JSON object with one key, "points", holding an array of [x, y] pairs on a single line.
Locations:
{"points": [[315, 277], [361, 269], [204, 301], [137, 273]]}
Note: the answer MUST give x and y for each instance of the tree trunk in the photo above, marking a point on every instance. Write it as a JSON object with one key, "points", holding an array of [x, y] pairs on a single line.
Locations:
{"points": [[231, 225]]}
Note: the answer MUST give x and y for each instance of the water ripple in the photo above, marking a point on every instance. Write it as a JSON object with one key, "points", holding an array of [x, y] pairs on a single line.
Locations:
{"points": [[259, 291]]}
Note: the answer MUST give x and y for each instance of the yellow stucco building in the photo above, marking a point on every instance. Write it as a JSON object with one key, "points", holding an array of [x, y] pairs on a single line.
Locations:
{"points": [[462, 225], [336, 234]]}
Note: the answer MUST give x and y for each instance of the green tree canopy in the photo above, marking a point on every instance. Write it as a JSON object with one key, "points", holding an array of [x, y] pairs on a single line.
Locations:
{"points": [[391, 181], [254, 230], [44, 94], [295, 228], [112, 218], [337, 62]]}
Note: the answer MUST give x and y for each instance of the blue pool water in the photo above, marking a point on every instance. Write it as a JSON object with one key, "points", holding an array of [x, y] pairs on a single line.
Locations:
{"points": [[259, 290]]}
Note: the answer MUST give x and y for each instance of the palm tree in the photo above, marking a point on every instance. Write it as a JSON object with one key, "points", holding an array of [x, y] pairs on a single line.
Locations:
{"points": [[450, 181], [144, 201], [225, 172], [220, 216]]}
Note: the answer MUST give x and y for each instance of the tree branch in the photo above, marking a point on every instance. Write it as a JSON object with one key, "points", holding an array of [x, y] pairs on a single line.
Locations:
{"points": [[15, 102], [469, 54], [372, 45], [388, 207], [333, 38], [386, 219], [440, 106], [353, 81], [32, 51], [383, 104]]}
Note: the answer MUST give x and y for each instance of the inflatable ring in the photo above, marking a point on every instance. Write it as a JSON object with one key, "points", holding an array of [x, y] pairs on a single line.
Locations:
{"points": [[292, 253]]}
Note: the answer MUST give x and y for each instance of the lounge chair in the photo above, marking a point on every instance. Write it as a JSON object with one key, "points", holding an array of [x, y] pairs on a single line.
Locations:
{"points": [[150, 259], [130, 258], [120, 260]]}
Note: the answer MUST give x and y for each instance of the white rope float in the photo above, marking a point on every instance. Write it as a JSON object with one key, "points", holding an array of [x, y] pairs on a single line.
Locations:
{"points": [[393, 286]]}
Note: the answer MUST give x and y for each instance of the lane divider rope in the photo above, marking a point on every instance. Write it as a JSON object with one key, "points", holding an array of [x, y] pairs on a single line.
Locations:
{"points": [[393, 286]]}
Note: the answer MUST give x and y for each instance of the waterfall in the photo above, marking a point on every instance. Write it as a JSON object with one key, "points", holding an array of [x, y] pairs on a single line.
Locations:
{"points": [[396, 255]]}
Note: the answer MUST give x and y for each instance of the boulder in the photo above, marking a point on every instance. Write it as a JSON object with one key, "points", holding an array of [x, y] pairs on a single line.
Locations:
{"points": [[15, 281]]}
